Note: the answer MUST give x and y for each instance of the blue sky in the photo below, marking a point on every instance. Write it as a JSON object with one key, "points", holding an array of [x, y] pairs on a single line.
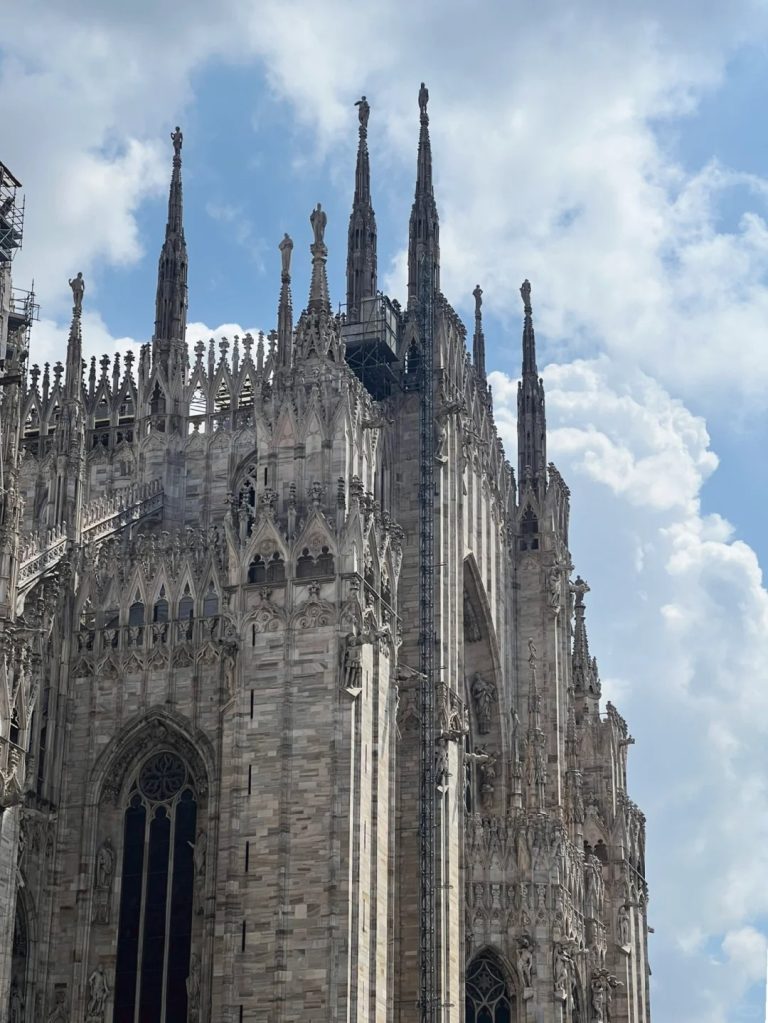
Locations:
{"points": [[613, 154]]}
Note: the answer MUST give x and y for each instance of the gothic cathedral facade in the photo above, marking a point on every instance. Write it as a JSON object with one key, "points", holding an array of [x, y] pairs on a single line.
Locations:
{"points": [[234, 582]]}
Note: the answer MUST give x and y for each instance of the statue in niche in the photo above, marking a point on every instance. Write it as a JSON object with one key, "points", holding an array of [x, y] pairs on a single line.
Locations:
{"points": [[441, 765], [484, 694], [98, 992], [562, 969], [286, 248], [553, 586], [77, 284], [472, 633], [525, 961], [318, 219], [623, 926], [193, 983], [353, 662], [199, 855], [105, 865]]}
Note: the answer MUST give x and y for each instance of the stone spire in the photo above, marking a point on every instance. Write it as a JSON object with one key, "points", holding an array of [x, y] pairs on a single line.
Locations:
{"points": [[531, 413], [478, 346], [424, 227], [74, 370], [319, 299], [171, 302], [584, 668], [361, 245], [285, 307]]}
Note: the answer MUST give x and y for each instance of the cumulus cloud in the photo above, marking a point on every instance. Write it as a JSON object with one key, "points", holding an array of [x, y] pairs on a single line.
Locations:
{"points": [[686, 624]]}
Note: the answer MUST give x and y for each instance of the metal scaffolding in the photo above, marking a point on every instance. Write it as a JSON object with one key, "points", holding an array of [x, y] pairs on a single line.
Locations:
{"points": [[427, 963], [11, 215]]}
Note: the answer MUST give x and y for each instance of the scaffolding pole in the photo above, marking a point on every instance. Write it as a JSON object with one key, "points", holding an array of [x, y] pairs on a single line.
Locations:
{"points": [[427, 936]]}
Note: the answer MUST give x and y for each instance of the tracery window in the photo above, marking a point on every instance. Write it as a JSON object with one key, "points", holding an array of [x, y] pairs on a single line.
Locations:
{"points": [[158, 878], [487, 996]]}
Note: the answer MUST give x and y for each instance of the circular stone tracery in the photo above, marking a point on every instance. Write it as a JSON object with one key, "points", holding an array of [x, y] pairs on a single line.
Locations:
{"points": [[162, 776]]}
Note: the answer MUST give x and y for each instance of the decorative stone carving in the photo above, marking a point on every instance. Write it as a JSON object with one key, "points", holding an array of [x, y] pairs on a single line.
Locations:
{"points": [[193, 986], [77, 284], [525, 961], [199, 855], [623, 927], [562, 966], [98, 993], [16, 1004], [441, 765], [353, 663], [484, 696], [60, 1012], [105, 866], [155, 735]]}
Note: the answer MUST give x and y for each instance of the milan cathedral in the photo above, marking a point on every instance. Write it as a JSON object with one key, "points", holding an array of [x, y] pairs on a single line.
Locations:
{"points": [[298, 715]]}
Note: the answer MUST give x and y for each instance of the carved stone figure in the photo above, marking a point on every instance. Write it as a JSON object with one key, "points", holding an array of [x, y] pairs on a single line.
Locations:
{"points": [[363, 111], [199, 857], [484, 696], [286, 248], [353, 662], [441, 765], [77, 284], [525, 961], [623, 926], [193, 983], [177, 138], [105, 865], [562, 969], [59, 1014], [98, 992], [423, 99], [318, 219], [553, 586]]}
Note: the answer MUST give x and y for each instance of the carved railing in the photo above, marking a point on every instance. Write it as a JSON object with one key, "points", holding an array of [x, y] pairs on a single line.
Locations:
{"points": [[13, 768], [107, 515], [103, 517]]}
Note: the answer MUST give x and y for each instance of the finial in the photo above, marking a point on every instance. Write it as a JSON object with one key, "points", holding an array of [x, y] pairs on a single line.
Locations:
{"points": [[286, 248], [177, 138], [318, 219], [423, 100], [77, 284], [363, 113], [525, 291], [579, 588]]}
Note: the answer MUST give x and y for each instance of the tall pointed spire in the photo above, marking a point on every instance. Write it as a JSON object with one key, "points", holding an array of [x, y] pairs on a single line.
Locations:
{"points": [[319, 299], [531, 412], [361, 245], [478, 346], [586, 682], [171, 302], [424, 227], [285, 308]]}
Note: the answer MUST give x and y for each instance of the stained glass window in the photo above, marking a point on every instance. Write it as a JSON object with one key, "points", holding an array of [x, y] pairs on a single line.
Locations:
{"points": [[157, 893], [487, 996]]}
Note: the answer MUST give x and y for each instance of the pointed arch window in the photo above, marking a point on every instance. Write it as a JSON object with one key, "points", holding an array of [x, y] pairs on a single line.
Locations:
{"points": [[488, 999], [529, 527], [210, 602], [157, 893], [257, 570], [276, 569]]}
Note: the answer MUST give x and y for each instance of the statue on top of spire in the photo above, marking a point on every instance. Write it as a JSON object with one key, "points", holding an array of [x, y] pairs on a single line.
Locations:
{"points": [[77, 284], [177, 138], [478, 293], [286, 248], [318, 219], [525, 291], [423, 99], [363, 112]]}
